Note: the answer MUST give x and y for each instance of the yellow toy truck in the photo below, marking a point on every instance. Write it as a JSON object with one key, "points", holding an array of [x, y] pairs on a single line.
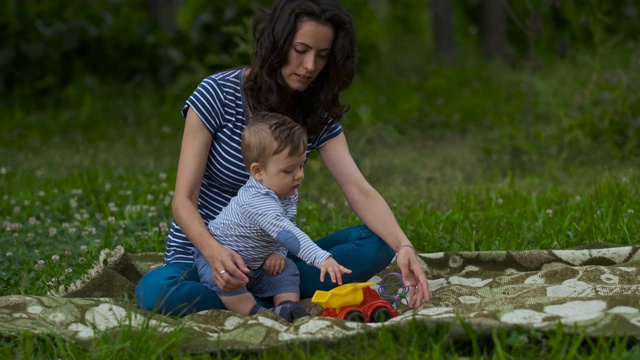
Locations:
{"points": [[354, 302]]}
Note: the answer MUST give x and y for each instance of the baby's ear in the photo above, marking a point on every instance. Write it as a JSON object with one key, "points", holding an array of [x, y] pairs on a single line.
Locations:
{"points": [[256, 171]]}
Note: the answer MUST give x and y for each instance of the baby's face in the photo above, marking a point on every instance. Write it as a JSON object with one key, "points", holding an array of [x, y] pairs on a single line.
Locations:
{"points": [[283, 174]]}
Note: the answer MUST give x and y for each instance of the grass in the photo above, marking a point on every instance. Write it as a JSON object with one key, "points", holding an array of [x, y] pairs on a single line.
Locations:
{"points": [[95, 168]]}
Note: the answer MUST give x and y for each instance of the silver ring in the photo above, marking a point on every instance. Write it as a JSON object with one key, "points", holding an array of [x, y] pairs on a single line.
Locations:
{"points": [[223, 272]]}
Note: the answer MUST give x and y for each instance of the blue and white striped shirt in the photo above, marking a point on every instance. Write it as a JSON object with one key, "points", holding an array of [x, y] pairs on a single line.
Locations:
{"points": [[219, 102], [256, 223]]}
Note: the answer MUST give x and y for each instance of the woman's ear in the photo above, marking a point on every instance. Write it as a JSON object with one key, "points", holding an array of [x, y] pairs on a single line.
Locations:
{"points": [[256, 171]]}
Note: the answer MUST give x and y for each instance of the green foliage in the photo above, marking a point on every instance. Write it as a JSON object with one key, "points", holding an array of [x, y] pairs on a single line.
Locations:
{"points": [[567, 109], [47, 46], [219, 32]]}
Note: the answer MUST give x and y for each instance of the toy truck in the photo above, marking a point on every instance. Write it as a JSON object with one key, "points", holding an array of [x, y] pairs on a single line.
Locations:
{"points": [[354, 302]]}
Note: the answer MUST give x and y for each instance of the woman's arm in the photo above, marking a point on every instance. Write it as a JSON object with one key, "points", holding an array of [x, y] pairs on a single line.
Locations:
{"points": [[374, 211], [196, 143]]}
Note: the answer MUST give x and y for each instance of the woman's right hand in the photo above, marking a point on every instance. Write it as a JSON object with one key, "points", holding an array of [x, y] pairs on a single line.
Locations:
{"points": [[228, 269]]}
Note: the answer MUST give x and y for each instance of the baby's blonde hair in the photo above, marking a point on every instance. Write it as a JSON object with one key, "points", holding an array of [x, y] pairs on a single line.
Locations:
{"points": [[268, 134]]}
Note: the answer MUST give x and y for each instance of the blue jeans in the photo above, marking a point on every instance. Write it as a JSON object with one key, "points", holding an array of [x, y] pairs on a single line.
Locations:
{"points": [[175, 288]]}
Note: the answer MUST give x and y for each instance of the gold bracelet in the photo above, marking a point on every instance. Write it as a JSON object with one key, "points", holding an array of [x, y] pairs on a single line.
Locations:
{"points": [[405, 245]]}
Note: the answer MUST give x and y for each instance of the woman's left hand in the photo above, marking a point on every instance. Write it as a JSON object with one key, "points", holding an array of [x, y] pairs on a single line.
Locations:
{"points": [[413, 276]]}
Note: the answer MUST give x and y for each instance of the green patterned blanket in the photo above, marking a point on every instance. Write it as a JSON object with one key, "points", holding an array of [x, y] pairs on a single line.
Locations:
{"points": [[594, 290]]}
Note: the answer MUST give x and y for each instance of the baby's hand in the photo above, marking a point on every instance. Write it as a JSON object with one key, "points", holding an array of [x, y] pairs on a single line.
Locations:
{"points": [[274, 264], [335, 270]]}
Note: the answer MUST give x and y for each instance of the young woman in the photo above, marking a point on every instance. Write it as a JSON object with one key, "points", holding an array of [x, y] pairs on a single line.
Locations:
{"points": [[304, 59]]}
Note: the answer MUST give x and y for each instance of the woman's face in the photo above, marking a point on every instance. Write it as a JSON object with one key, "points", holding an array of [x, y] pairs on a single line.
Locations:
{"points": [[308, 54]]}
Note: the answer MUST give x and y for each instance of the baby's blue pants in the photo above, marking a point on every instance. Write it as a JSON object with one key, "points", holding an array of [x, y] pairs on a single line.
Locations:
{"points": [[175, 288]]}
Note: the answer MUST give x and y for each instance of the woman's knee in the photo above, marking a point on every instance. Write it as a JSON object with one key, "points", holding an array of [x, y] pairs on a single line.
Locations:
{"points": [[160, 289], [151, 287]]}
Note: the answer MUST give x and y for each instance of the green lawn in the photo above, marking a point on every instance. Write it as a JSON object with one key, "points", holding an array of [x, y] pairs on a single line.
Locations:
{"points": [[97, 170]]}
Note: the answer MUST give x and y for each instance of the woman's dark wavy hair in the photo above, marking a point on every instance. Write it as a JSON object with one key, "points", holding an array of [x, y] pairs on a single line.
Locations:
{"points": [[319, 105]]}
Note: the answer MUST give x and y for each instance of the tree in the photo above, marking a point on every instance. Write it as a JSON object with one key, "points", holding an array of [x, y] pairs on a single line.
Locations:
{"points": [[493, 33], [443, 31], [164, 13]]}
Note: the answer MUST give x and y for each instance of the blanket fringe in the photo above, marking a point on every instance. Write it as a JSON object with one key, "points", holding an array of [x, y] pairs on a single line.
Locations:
{"points": [[107, 257]]}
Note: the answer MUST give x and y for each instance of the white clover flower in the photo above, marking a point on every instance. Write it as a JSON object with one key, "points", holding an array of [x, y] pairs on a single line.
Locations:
{"points": [[9, 254], [499, 201], [55, 258], [76, 191], [162, 176], [89, 230], [550, 212], [52, 231], [630, 211], [82, 260], [40, 265], [3, 170], [68, 271], [83, 249], [68, 252]]}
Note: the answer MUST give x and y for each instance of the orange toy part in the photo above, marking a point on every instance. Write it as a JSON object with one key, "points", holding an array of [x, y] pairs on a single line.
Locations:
{"points": [[355, 302]]}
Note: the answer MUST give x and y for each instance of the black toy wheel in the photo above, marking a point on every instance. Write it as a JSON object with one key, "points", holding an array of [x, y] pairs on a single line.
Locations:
{"points": [[356, 316], [381, 314]]}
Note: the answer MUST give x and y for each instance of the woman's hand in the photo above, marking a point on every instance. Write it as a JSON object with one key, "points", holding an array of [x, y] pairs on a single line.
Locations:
{"points": [[228, 269], [413, 276]]}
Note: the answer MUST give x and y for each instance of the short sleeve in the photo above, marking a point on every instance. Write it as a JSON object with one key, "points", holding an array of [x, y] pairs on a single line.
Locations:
{"points": [[328, 132], [208, 102]]}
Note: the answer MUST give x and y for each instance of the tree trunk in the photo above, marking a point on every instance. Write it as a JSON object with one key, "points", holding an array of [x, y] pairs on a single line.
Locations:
{"points": [[494, 29], [164, 13], [443, 32]]}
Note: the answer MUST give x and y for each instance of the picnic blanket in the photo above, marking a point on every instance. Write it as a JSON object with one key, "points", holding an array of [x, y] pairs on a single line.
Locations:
{"points": [[594, 289]]}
